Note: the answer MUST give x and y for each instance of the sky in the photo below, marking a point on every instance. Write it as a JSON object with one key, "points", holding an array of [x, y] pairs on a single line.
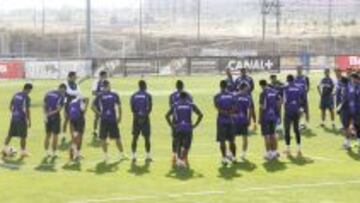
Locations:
{"points": [[18, 4]]}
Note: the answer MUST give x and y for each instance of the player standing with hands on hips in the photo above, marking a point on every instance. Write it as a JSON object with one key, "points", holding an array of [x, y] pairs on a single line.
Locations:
{"points": [[107, 106]]}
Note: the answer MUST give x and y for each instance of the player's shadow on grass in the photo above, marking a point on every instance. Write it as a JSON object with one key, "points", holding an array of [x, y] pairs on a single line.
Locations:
{"points": [[308, 133], [94, 143], [300, 161], [140, 170], [11, 163], [353, 155], [64, 146], [274, 166], [332, 130], [47, 165], [183, 174], [229, 172], [72, 166], [246, 165], [103, 167]]}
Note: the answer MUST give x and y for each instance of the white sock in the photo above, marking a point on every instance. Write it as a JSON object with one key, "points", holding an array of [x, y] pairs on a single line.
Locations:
{"points": [[299, 147], [288, 147], [133, 155], [74, 148], [347, 141]]}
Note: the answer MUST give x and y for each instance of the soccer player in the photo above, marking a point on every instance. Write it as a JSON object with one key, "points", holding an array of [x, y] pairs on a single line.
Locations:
{"points": [[292, 103], [98, 88], [244, 78], [303, 82], [72, 92], [110, 117], [174, 98], [279, 87], [341, 85], [179, 117], [53, 104], [141, 106], [346, 95], [76, 111], [242, 117], [270, 104], [326, 89], [224, 102], [20, 120], [230, 81], [352, 99], [276, 84]]}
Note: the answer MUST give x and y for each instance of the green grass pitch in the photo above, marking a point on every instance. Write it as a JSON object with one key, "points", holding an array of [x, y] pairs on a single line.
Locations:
{"points": [[328, 174]]}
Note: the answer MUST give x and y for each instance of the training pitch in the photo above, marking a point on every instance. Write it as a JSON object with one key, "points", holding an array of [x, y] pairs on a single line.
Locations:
{"points": [[326, 174]]}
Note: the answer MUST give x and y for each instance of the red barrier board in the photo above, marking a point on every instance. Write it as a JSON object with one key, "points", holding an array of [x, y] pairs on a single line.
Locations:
{"points": [[11, 69], [348, 62]]}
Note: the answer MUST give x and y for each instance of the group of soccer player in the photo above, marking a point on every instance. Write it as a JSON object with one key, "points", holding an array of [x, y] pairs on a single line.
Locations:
{"points": [[279, 105]]}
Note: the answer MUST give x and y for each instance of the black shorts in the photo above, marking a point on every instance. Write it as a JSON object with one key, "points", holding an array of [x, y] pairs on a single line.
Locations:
{"points": [[78, 125], [305, 105], [18, 129], [141, 125], [241, 129], [109, 129], [345, 119], [327, 103], [225, 132], [53, 126], [268, 128], [184, 139]]}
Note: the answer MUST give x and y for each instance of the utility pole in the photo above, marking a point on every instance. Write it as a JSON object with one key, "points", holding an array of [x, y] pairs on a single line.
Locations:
{"points": [[140, 27], [278, 16], [174, 11], [199, 20], [330, 24], [43, 17], [88, 30], [330, 20], [264, 14]]}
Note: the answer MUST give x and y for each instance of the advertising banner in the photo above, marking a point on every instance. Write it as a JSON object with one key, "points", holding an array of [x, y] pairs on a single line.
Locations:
{"points": [[347, 62], [56, 69], [254, 64], [11, 69]]}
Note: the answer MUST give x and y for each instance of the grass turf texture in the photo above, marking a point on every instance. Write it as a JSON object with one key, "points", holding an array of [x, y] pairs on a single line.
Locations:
{"points": [[327, 174]]}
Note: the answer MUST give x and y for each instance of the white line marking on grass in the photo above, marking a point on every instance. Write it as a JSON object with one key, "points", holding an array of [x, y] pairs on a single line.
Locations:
{"points": [[135, 198], [207, 193], [299, 186]]}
